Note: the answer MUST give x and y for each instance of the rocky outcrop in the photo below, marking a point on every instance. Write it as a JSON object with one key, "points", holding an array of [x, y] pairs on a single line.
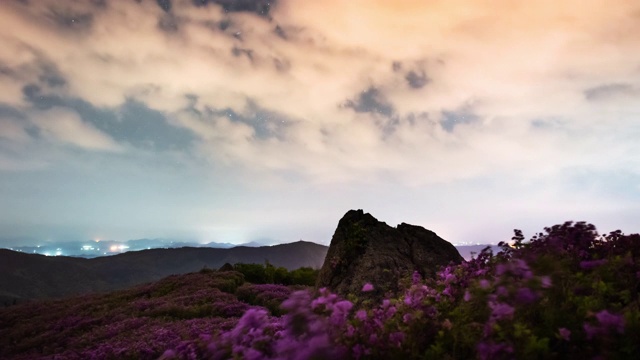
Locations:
{"points": [[226, 267], [365, 250]]}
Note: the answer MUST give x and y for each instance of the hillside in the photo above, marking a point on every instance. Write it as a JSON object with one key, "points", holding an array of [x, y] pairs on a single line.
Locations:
{"points": [[29, 276], [140, 322]]}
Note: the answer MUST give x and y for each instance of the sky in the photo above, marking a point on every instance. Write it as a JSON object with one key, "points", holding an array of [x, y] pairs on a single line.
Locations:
{"points": [[238, 121]]}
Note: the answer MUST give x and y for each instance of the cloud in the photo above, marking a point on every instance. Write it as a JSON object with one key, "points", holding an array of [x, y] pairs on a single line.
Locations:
{"points": [[370, 101], [450, 119], [260, 7], [66, 126], [417, 80], [165, 5], [314, 92], [609, 92], [12, 130]]}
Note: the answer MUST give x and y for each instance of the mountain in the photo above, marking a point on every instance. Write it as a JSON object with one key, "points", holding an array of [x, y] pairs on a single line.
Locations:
{"points": [[30, 276]]}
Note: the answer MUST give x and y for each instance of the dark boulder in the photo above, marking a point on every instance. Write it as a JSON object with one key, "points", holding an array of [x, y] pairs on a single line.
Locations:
{"points": [[226, 267], [365, 250]]}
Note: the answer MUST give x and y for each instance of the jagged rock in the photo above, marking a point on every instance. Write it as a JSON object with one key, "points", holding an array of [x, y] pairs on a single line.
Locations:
{"points": [[226, 267], [365, 250]]}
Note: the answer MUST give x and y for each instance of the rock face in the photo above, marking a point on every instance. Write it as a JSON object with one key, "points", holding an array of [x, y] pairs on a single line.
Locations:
{"points": [[365, 250]]}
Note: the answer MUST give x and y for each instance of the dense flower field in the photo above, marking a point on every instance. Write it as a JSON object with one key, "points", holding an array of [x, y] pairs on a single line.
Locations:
{"points": [[567, 293], [139, 323]]}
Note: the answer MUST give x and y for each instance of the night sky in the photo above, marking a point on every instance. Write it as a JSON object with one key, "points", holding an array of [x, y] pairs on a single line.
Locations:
{"points": [[238, 121]]}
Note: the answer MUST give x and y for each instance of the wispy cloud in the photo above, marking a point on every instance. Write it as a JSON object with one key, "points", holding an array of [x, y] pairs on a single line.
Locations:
{"points": [[66, 127]]}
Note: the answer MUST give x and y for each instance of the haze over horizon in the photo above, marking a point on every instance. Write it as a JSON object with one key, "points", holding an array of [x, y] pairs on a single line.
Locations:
{"points": [[239, 121]]}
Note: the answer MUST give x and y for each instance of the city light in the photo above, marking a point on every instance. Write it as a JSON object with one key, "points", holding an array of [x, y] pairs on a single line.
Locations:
{"points": [[115, 248]]}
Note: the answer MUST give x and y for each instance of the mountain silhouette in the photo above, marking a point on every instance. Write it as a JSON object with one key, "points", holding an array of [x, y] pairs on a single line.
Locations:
{"points": [[33, 276]]}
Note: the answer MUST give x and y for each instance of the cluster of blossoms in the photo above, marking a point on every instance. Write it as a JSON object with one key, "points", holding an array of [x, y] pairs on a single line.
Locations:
{"points": [[308, 330]]}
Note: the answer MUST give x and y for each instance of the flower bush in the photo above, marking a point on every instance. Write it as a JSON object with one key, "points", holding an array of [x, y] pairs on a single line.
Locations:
{"points": [[139, 323], [269, 296], [567, 293]]}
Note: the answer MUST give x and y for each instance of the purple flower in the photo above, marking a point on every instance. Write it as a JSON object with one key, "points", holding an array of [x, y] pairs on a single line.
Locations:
{"points": [[517, 267], [500, 310], [359, 351], [502, 291], [611, 321], [416, 278], [488, 350], [591, 331], [367, 287], [467, 296], [340, 311], [350, 331], [449, 278], [484, 283], [525, 296], [169, 354], [501, 269], [396, 338], [564, 333], [521, 268], [361, 315], [590, 264], [386, 303], [406, 318], [545, 281], [480, 272], [252, 319], [391, 311]]}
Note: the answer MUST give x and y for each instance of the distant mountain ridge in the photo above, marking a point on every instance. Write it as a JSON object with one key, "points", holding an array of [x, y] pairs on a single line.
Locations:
{"points": [[92, 248], [95, 248], [32, 276]]}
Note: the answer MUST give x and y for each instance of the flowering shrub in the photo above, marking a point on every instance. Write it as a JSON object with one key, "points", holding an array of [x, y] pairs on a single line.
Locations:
{"points": [[269, 274], [568, 293], [266, 295]]}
